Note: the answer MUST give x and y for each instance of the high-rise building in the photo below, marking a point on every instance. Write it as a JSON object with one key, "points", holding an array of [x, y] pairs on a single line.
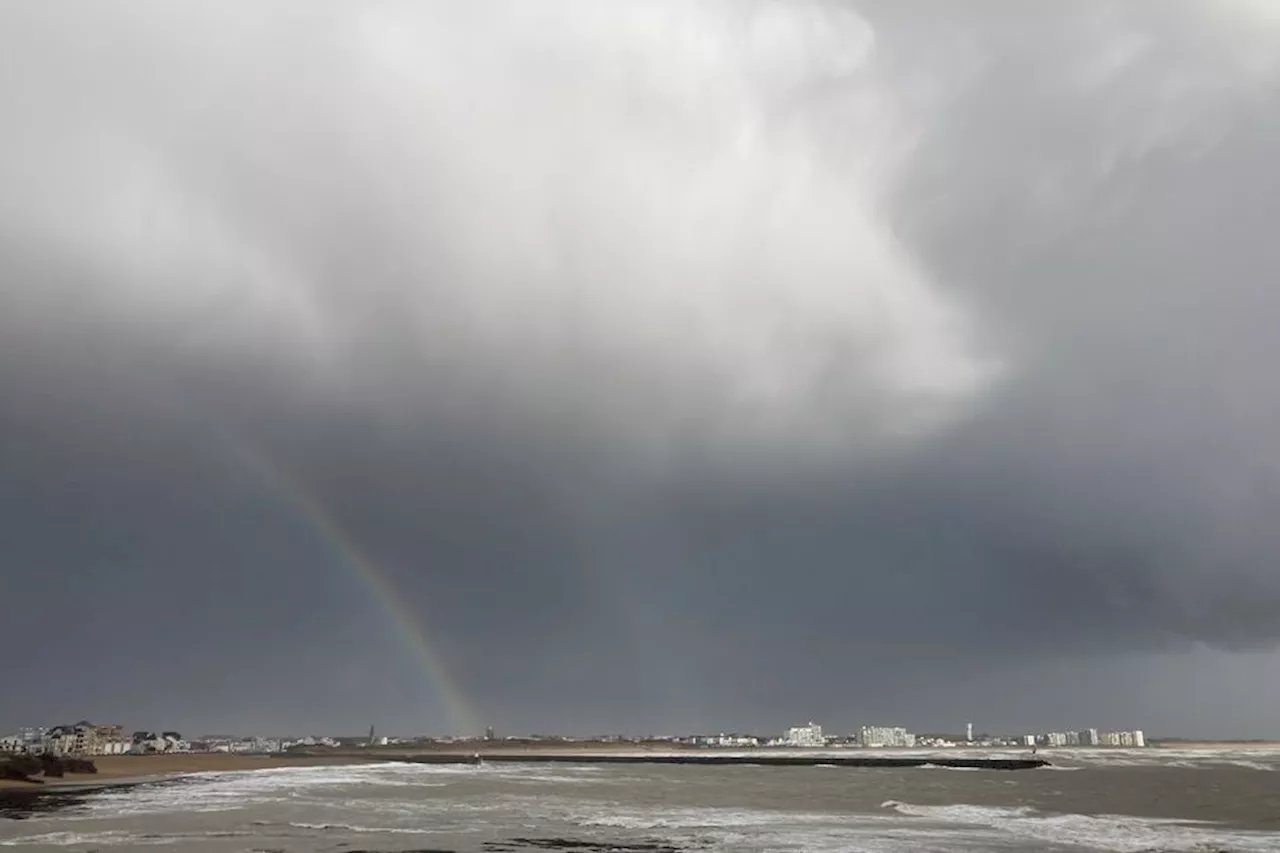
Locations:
{"points": [[968, 732], [892, 736], [488, 733], [1089, 737], [810, 735]]}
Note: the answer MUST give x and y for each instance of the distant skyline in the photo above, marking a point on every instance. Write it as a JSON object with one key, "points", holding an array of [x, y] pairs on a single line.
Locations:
{"points": [[663, 366]]}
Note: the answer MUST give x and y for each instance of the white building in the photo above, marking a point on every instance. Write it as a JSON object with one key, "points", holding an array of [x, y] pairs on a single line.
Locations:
{"points": [[150, 743], [65, 740], [810, 735], [891, 736], [1131, 739]]}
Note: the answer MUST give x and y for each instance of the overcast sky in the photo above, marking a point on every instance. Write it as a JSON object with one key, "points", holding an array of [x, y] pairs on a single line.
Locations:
{"points": [[674, 365]]}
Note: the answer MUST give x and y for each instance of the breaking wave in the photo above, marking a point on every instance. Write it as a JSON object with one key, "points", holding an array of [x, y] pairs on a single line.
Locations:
{"points": [[1118, 833]]}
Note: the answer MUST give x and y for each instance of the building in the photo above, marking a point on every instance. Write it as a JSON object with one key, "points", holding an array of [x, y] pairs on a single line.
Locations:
{"points": [[82, 738], [30, 741], [1089, 737], [62, 740], [1133, 739], [968, 732], [890, 736], [108, 740], [149, 743], [810, 735]]}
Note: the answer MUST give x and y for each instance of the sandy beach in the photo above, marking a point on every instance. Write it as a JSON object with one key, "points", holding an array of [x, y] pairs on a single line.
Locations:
{"points": [[116, 767]]}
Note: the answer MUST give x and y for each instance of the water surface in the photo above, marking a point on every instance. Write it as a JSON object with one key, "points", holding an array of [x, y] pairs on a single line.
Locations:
{"points": [[1130, 801]]}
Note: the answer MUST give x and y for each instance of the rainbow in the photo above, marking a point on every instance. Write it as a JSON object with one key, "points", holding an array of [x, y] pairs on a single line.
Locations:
{"points": [[329, 532]]}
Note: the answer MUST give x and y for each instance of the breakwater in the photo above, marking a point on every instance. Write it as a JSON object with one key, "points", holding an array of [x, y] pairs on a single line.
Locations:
{"points": [[764, 760]]}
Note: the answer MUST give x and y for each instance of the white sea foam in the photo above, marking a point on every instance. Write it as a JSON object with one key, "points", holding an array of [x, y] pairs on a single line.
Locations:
{"points": [[692, 818], [374, 799], [70, 839], [1118, 833], [234, 790], [1203, 758], [739, 830], [350, 827]]}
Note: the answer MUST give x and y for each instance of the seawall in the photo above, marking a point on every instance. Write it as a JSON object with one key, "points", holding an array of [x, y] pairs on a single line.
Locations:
{"points": [[884, 761]]}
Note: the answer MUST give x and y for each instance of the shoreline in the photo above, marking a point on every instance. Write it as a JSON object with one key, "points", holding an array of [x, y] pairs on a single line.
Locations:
{"points": [[140, 769], [711, 759], [20, 800], [121, 770]]}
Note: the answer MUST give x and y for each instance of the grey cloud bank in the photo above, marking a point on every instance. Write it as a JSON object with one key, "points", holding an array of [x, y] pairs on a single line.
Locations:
{"points": [[680, 365]]}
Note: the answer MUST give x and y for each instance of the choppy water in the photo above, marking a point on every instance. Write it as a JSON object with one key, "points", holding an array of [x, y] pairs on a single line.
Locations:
{"points": [[1126, 801]]}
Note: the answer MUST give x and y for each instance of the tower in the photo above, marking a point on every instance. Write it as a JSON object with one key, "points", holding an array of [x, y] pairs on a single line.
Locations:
{"points": [[968, 732], [371, 736]]}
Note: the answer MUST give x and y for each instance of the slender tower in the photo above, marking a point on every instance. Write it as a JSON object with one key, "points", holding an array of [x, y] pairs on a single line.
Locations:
{"points": [[371, 736], [968, 732]]}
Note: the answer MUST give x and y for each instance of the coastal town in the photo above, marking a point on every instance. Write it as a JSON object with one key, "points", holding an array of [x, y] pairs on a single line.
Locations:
{"points": [[92, 739], [87, 739], [811, 736]]}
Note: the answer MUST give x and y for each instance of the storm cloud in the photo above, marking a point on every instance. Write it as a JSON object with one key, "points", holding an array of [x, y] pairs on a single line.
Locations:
{"points": [[681, 365]]}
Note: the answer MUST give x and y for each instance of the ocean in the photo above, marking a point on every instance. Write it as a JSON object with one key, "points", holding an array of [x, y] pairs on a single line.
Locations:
{"points": [[1130, 801]]}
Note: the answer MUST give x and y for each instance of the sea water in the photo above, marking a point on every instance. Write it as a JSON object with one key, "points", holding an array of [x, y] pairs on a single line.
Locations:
{"points": [[1128, 801]]}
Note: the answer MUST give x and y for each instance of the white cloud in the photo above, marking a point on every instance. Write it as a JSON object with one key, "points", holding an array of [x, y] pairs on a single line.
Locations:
{"points": [[680, 204]]}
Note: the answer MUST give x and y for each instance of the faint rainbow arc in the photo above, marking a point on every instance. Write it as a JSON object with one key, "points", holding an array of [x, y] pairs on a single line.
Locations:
{"points": [[330, 533]]}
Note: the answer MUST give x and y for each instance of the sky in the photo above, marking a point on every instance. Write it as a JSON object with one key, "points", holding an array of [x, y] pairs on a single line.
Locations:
{"points": [[646, 367]]}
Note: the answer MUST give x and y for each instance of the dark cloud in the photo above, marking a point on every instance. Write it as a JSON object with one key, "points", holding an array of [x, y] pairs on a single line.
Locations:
{"points": [[680, 365]]}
